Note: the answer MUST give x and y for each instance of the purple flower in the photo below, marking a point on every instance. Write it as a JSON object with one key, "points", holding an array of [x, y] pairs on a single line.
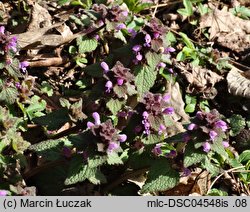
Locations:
{"points": [[145, 114], [132, 32], [169, 50], [23, 65], [137, 48], [171, 70], [120, 26], [157, 150], [147, 40], [124, 13], [3, 193], [225, 144], [156, 35], [222, 125], [97, 37], [122, 137], [18, 85], [12, 44], [200, 115], [168, 110], [206, 147], [171, 154], [120, 81], [162, 128], [138, 56], [112, 146], [90, 124], [96, 116], [212, 134], [161, 65], [166, 97], [105, 67], [186, 172], [192, 126], [109, 86], [2, 29]]}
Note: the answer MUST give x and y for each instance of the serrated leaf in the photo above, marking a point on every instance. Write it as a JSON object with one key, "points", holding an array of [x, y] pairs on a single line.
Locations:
{"points": [[114, 159], [9, 95], [86, 44], [114, 105], [53, 120], [96, 161], [49, 149], [152, 139], [145, 79], [237, 123], [161, 177], [97, 178], [46, 88], [211, 168], [192, 155], [153, 59], [218, 147], [190, 108]]}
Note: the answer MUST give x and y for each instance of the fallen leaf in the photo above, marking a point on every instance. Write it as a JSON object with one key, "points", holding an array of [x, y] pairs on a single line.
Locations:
{"points": [[228, 30], [238, 83]]}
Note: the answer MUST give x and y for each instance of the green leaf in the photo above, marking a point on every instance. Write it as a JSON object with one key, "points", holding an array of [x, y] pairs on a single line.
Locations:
{"points": [[212, 168], [96, 161], [46, 88], [114, 159], [161, 177], [97, 177], [152, 139], [86, 44], [218, 147], [170, 38], [180, 56], [114, 105], [192, 155], [78, 171], [187, 41], [244, 156], [216, 192], [145, 79], [189, 7], [36, 106], [9, 95], [237, 123], [119, 35], [53, 120], [153, 59], [49, 149], [190, 108]]}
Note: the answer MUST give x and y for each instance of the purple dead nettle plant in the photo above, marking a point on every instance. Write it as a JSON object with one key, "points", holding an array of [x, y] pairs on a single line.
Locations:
{"points": [[156, 107], [211, 125], [118, 77], [7, 43], [108, 137]]}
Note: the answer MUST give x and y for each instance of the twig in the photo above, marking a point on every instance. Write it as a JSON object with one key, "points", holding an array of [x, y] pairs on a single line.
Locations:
{"points": [[230, 170]]}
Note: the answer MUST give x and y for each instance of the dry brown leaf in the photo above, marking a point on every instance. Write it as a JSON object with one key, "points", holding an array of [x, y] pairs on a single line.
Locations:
{"points": [[196, 184], [229, 31], [200, 80], [177, 103], [238, 84]]}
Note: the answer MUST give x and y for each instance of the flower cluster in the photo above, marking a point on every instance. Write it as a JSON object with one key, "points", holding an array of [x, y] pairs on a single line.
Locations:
{"points": [[118, 78], [211, 125], [109, 138], [156, 106], [7, 43]]}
